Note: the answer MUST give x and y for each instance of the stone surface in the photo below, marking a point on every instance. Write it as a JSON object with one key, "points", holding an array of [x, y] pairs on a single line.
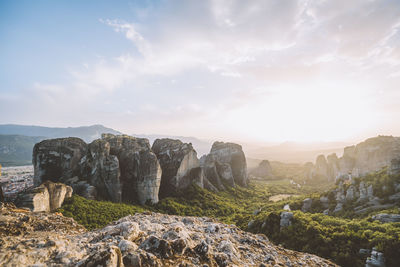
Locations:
{"points": [[386, 218], [47, 197], [263, 170], [306, 205], [369, 156], [376, 260], [140, 171], [101, 170], [180, 165], [225, 164], [148, 239], [57, 159], [286, 219]]}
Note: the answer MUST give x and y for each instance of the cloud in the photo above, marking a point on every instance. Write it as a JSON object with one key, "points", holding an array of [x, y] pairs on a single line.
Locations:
{"points": [[228, 58]]}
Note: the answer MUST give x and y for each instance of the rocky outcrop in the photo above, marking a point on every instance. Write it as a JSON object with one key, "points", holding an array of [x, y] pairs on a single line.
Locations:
{"points": [[225, 165], [286, 219], [180, 166], [263, 170], [116, 167], [321, 167], [386, 218], [147, 239], [47, 197], [306, 205], [376, 260], [101, 170], [369, 156], [140, 171], [57, 159]]}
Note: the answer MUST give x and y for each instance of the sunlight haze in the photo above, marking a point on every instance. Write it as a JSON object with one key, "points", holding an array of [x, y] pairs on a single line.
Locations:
{"points": [[263, 71]]}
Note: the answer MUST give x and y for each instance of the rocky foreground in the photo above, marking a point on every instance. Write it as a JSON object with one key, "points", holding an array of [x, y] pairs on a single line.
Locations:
{"points": [[147, 239]]}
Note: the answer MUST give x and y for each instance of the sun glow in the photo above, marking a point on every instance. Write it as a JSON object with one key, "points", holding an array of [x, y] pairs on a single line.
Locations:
{"points": [[317, 113]]}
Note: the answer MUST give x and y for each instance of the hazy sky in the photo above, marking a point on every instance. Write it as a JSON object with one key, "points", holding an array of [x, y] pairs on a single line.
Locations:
{"points": [[241, 70]]}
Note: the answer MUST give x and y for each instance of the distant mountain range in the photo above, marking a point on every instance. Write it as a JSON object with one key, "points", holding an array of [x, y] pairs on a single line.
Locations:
{"points": [[87, 133], [17, 141]]}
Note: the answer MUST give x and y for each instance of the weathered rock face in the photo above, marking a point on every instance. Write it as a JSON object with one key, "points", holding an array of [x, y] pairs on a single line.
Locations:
{"points": [[57, 159], [286, 219], [386, 218], [47, 197], [321, 167], [140, 170], [376, 260], [368, 156], [394, 167], [225, 164], [116, 168], [139, 240], [180, 165], [264, 170], [306, 205], [101, 170]]}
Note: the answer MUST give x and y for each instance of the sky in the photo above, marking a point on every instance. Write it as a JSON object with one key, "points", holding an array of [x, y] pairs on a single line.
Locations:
{"points": [[262, 71]]}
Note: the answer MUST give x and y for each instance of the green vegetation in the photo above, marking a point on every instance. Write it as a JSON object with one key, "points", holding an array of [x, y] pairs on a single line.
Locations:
{"points": [[17, 149], [95, 214], [331, 237]]}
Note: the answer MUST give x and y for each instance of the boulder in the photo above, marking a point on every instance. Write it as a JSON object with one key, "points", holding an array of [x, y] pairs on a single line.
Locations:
{"points": [[216, 163], [321, 167], [180, 165], [376, 260], [47, 197], [306, 205], [140, 175], [324, 202], [386, 218], [286, 219], [57, 159], [263, 170]]}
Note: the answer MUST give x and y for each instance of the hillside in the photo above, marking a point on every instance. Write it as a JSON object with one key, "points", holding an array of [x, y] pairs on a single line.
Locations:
{"points": [[17, 149], [17, 141]]}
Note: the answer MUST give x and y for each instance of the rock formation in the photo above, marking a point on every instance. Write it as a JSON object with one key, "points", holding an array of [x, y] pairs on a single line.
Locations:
{"points": [[386, 218], [371, 155], [47, 197], [306, 205], [147, 239], [263, 170], [124, 168], [376, 260], [225, 165], [140, 171], [286, 219], [101, 170], [180, 166], [112, 168], [57, 159]]}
